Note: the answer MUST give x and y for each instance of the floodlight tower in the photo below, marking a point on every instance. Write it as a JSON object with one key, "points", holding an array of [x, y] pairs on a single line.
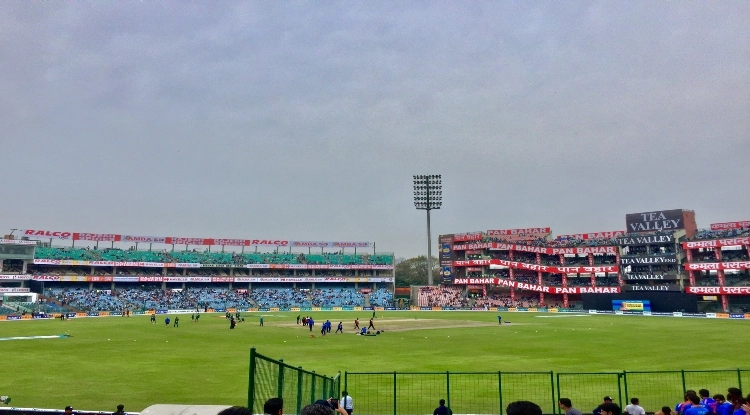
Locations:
{"points": [[428, 195]]}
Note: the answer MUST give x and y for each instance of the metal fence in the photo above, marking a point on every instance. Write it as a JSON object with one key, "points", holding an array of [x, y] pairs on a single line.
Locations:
{"points": [[270, 378], [417, 393]]}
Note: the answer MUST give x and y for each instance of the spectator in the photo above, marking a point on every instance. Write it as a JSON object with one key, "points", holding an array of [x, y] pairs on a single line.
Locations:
{"points": [[706, 400], [696, 407], [274, 406], [346, 401], [722, 406], [609, 409], [567, 406], [235, 410], [442, 409], [120, 410], [598, 410], [634, 408], [524, 408]]}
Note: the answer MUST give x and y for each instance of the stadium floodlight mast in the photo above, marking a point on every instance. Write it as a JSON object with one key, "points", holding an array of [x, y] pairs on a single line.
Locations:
{"points": [[428, 195]]}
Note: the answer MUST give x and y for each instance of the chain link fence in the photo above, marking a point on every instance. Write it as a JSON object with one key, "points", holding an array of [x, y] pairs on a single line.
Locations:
{"points": [[418, 393], [270, 378]]}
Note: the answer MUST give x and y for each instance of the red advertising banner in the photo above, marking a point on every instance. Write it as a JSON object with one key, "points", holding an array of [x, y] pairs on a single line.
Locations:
{"points": [[718, 290], [43, 233], [521, 234], [99, 237], [178, 240], [539, 288], [46, 278], [231, 242], [196, 265], [470, 236], [502, 264], [730, 225], [707, 266], [496, 246], [520, 231], [713, 243], [175, 240], [593, 235]]}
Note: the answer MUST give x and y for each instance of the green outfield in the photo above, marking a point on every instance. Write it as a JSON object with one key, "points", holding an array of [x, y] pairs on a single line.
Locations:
{"points": [[112, 360]]}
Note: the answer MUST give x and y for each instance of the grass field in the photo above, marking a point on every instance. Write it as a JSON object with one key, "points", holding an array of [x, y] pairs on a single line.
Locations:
{"points": [[113, 360]]}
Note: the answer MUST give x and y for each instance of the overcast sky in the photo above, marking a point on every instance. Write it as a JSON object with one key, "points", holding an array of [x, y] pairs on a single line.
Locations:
{"points": [[306, 120]]}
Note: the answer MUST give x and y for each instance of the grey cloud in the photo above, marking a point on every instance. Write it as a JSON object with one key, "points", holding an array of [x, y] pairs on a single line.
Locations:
{"points": [[306, 121]]}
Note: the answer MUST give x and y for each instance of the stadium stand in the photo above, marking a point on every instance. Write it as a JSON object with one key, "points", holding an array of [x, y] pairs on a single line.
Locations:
{"points": [[442, 297], [381, 298]]}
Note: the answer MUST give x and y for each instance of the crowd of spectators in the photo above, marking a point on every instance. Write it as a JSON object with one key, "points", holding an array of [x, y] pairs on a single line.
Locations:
{"points": [[719, 234], [206, 257], [381, 298], [148, 297], [337, 297], [280, 297], [504, 300], [153, 297], [441, 297], [649, 250], [555, 243]]}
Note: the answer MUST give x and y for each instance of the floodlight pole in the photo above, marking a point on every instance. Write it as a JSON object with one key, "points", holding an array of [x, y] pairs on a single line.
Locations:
{"points": [[429, 243], [428, 196]]}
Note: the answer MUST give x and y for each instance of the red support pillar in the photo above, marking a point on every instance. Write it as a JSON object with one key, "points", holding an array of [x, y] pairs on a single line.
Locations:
{"points": [[539, 281]]}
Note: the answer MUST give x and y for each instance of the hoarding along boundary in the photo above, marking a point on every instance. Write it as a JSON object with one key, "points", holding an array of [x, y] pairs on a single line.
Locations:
{"points": [[733, 316]]}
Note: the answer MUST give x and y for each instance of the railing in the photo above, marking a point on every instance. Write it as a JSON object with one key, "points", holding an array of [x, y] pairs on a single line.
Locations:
{"points": [[416, 393], [270, 378]]}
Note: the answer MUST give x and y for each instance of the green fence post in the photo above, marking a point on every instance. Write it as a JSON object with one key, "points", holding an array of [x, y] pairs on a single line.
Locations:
{"points": [[558, 392], [346, 380], [619, 388], [500, 390], [338, 391], [739, 379], [448, 388], [299, 389], [394, 392], [325, 388], [280, 384], [684, 387], [625, 379], [312, 390], [555, 407], [251, 380]]}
